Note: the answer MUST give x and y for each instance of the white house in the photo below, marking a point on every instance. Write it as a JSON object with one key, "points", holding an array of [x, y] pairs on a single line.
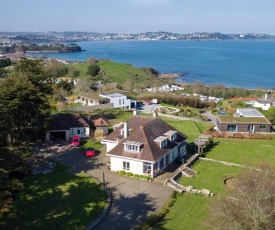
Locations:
{"points": [[264, 104], [144, 146], [118, 100], [65, 126]]}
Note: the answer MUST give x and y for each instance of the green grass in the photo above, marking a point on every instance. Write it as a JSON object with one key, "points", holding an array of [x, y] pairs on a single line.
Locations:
{"points": [[210, 176], [119, 73], [58, 198], [82, 68], [190, 210], [246, 152], [91, 143], [189, 128]]}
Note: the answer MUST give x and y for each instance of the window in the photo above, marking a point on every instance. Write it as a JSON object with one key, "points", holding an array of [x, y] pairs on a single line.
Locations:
{"points": [[123, 102], [72, 131], [232, 128], [161, 163], [119, 101], [78, 131], [163, 143], [174, 136], [126, 165], [132, 148], [146, 167], [262, 126]]}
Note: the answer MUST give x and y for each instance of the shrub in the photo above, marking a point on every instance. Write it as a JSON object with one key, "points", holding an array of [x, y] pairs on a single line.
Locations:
{"points": [[121, 172], [129, 174]]}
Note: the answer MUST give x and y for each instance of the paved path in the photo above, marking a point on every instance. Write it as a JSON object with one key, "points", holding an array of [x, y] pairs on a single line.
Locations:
{"points": [[134, 200]]}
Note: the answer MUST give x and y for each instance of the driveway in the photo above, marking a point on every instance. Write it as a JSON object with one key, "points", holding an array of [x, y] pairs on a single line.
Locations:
{"points": [[147, 108], [209, 115], [133, 200]]}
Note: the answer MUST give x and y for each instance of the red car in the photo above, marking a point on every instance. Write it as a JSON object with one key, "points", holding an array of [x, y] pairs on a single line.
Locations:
{"points": [[90, 152], [75, 141]]}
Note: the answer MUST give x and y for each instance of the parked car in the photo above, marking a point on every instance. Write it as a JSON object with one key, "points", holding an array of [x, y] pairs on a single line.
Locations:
{"points": [[90, 152], [75, 141]]}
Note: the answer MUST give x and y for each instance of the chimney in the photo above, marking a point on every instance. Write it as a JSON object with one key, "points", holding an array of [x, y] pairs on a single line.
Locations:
{"points": [[265, 96], [126, 130]]}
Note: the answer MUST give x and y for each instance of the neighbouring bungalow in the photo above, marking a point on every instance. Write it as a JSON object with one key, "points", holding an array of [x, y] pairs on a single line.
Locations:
{"points": [[119, 100], [65, 126], [101, 124], [243, 121], [144, 146]]}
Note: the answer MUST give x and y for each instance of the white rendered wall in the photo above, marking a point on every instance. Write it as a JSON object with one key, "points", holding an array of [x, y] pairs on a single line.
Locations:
{"points": [[136, 167], [80, 131]]}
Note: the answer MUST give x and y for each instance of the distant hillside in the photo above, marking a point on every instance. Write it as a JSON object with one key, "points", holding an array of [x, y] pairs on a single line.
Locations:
{"points": [[120, 73]]}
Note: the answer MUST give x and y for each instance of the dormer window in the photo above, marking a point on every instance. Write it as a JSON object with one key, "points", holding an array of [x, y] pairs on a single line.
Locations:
{"points": [[132, 146], [162, 141], [171, 134]]}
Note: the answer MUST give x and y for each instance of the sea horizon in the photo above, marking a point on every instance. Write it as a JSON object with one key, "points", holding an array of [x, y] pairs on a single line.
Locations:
{"points": [[232, 63]]}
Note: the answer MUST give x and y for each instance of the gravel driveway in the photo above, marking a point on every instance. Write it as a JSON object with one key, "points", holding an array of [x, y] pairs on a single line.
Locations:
{"points": [[133, 200]]}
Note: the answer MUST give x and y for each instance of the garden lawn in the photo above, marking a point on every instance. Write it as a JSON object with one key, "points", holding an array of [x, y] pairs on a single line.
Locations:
{"points": [[210, 176], [58, 200], [190, 128], [91, 143], [190, 210], [246, 152]]}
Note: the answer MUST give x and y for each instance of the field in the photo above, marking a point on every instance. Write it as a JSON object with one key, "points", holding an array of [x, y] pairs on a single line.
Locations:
{"points": [[57, 200]]}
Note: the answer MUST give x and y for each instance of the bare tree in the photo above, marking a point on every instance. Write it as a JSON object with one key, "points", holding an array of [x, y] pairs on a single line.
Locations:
{"points": [[249, 203]]}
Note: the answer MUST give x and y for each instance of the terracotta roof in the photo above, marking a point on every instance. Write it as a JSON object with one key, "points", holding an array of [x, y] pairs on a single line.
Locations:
{"points": [[67, 121], [101, 122], [243, 120], [145, 130], [242, 98]]}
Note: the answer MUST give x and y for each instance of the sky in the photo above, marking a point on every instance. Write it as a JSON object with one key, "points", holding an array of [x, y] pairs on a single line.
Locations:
{"points": [[136, 16]]}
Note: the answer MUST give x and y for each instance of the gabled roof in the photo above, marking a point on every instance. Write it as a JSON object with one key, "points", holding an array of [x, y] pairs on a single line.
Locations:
{"points": [[145, 130], [66, 121], [101, 122]]}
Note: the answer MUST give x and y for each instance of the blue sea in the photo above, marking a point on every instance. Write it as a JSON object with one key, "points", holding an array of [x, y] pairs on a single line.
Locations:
{"points": [[235, 63]]}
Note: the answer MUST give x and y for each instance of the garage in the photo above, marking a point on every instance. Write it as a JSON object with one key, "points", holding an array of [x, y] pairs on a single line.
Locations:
{"points": [[58, 135]]}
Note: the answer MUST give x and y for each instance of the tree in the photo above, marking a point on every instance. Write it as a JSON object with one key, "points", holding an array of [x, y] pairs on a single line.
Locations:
{"points": [[33, 70], [24, 102], [54, 68], [249, 203], [92, 61], [93, 70], [72, 72]]}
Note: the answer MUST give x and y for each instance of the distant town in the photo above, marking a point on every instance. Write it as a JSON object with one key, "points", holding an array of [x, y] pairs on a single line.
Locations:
{"points": [[8, 38]]}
